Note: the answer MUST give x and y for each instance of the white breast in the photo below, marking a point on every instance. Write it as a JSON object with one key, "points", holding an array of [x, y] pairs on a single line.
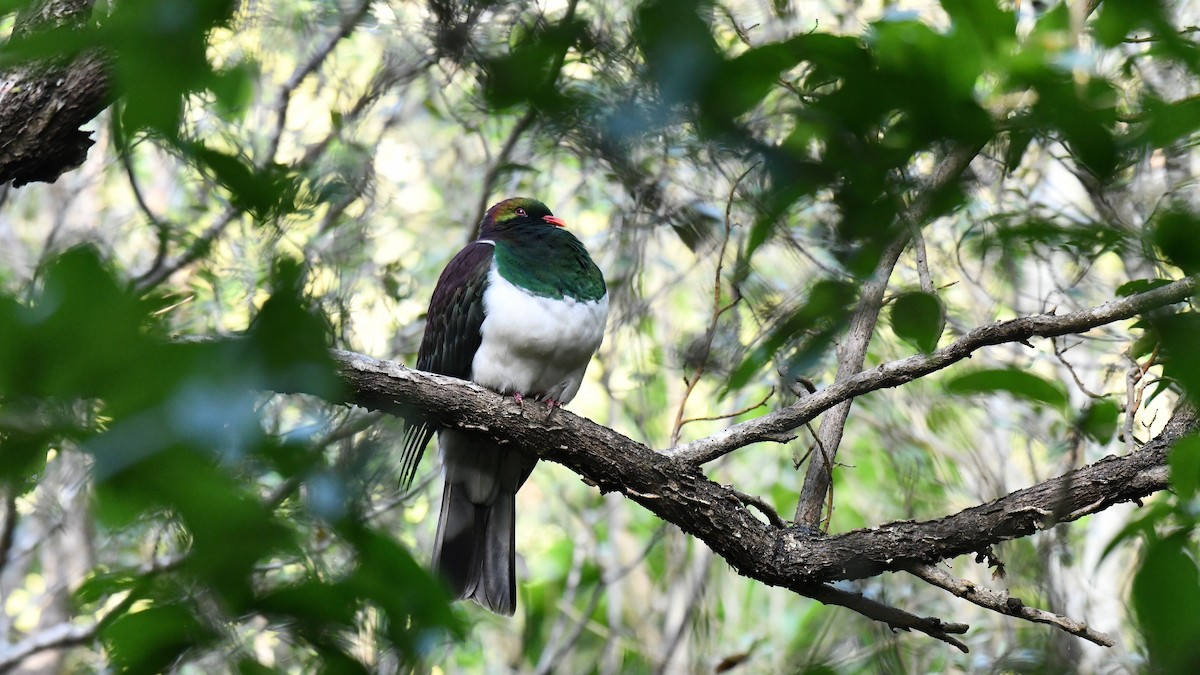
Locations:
{"points": [[536, 346]]}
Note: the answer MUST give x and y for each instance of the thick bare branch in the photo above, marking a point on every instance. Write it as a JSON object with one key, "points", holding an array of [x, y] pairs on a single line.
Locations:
{"points": [[768, 427], [679, 493], [43, 104]]}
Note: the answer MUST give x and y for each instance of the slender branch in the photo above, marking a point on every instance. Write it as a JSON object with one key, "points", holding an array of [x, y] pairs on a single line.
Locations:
{"points": [[1005, 603], [896, 618], [852, 353], [729, 415], [66, 634], [522, 125], [493, 171], [162, 228], [162, 270], [717, 311], [762, 506], [900, 372], [57, 636], [9, 526], [198, 249], [310, 65]]}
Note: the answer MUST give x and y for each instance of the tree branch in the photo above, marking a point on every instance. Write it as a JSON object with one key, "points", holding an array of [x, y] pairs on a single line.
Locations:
{"points": [[895, 373], [896, 618], [43, 103], [679, 493], [55, 637], [1005, 603], [852, 352]]}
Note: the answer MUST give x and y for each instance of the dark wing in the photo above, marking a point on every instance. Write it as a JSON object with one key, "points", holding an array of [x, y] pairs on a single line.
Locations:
{"points": [[451, 338]]}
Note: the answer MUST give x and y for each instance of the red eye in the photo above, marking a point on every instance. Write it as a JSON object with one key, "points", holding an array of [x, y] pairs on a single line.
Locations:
{"points": [[521, 212]]}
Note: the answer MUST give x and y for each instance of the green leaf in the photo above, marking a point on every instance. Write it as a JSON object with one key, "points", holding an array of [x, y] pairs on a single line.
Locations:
{"points": [[234, 89], [1177, 235], [918, 318], [988, 26], [150, 640], [264, 193], [248, 666], [681, 55], [524, 75], [1140, 526], [315, 603], [812, 327], [387, 575], [1099, 420], [1176, 334], [1019, 383], [743, 81], [1140, 286], [103, 584], [291, 338], [1184, 460], [160, 50], [1165, 123], [1165, 595]]}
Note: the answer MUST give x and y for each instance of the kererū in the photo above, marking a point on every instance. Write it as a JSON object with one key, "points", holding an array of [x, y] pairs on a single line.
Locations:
{"points": [[520, 310]]}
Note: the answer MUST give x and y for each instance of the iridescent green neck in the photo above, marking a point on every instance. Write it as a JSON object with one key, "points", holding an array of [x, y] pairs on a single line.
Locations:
{"points": [[548, 262]]}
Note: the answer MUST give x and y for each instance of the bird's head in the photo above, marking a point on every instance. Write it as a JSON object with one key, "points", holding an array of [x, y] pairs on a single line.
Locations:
{"points": [[518, 211]]}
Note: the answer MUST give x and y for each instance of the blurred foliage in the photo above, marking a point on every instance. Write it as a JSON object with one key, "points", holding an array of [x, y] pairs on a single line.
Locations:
{"points": [[170, 431], [296, 172]]}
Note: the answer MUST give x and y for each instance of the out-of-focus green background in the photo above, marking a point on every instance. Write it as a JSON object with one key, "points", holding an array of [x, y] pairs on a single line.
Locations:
{"points": [[301, 170]]}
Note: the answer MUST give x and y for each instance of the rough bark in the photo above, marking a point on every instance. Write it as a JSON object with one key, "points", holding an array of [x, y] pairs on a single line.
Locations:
{"points": [[678, 492], [43, 104]]}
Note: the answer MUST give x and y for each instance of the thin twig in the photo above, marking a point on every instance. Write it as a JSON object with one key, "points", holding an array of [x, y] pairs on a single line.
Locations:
{"points": [[922, 257], [348, 21], [493, 172], [762, 506], [1135, 386], [58, 636], [162, 228], [555, 642], [691, 592], [1155, 38], [1061, 355], [67, 634], [522, 125], [717, 309], [725, 416], [892, 616], [852, 352], [1005, 604], [200, 246], [196, 250], [899, 372], [10, 524]]}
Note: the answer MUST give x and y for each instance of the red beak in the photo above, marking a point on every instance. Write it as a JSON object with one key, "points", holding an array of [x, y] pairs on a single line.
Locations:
{"points": [[554, 220]]}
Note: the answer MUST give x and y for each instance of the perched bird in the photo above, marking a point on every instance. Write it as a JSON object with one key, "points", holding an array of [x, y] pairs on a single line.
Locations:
{"points": [[520, 310]]}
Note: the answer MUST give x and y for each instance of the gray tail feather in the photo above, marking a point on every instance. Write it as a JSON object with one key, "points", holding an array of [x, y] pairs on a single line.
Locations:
{"points": [[475, 551], [416, 437]]}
